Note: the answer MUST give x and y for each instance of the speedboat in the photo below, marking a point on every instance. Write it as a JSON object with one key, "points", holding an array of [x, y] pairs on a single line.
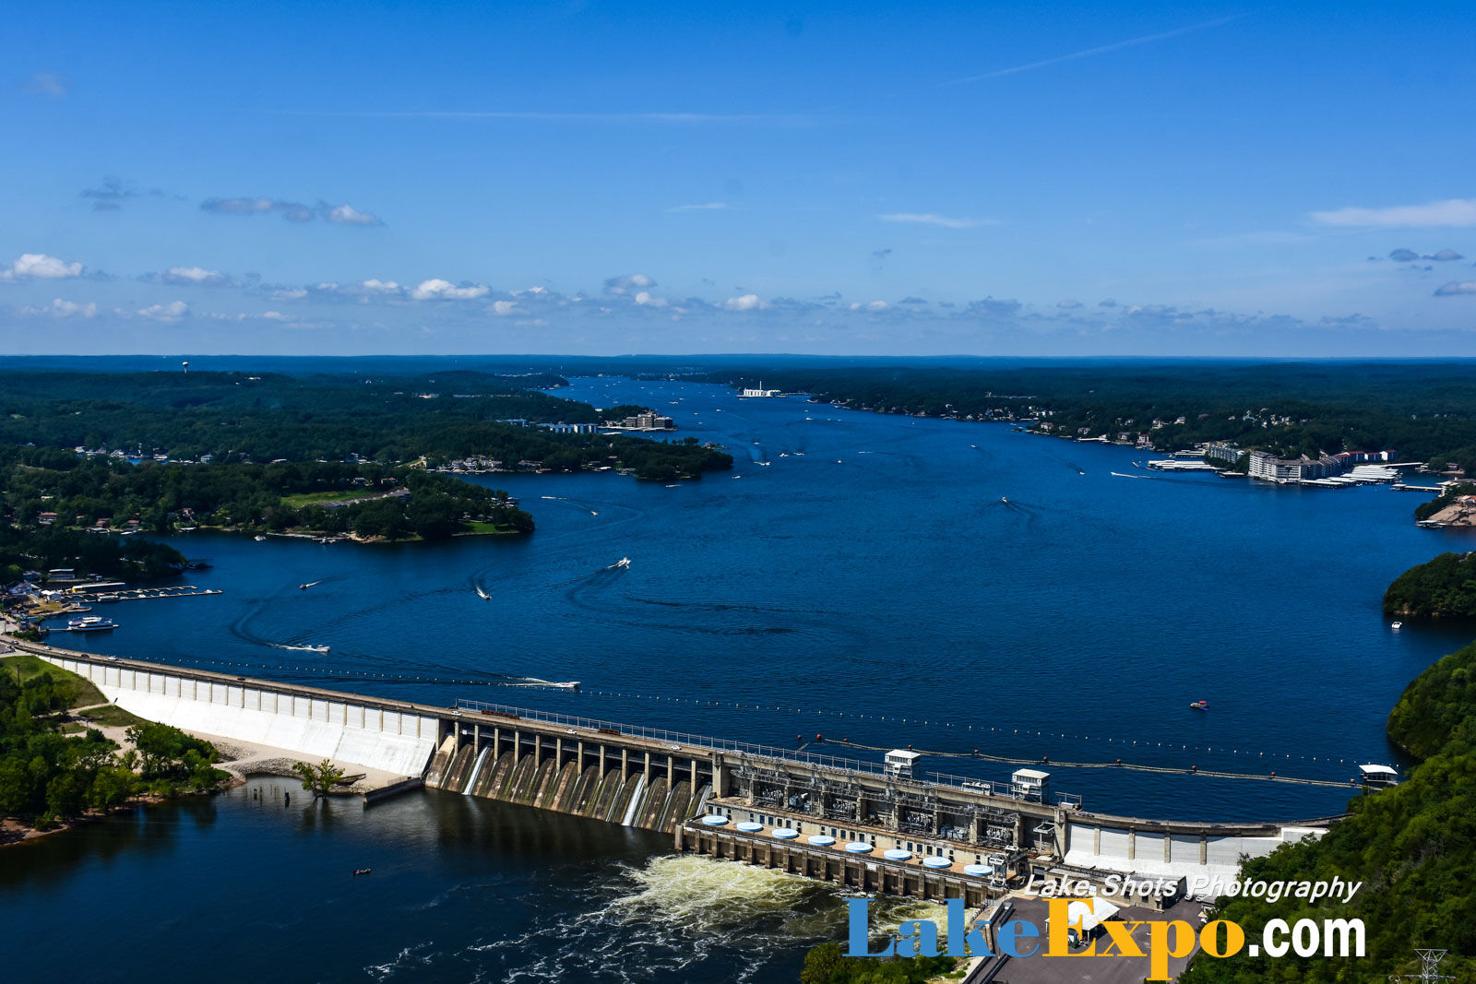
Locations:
{"points": [[482, 593], [1004, 500], [622, 564], [1200, 705], [1396, 626], [259, 538]]}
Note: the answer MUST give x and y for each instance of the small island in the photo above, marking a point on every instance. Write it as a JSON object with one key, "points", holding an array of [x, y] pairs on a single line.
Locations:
{"points": [[1443, 588]]}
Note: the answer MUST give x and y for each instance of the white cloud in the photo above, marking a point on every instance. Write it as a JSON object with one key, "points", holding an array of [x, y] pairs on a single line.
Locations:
{"points": [[437, 289], [47, 84], [646, 299], [701, 207], [348, 215], [299, 212], [275, 316], [933, 219], [1450, 212], [61, 308], [504, 308], [745, 302], [290, 293], [627, 283], [39, 266], [191, 275], [376, 286], [1456, 288], [877, 305], [172, 311]]}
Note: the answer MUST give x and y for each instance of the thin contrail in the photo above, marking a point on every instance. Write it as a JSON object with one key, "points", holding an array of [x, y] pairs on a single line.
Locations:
{"points": [[676, 119], [1090, 52]]}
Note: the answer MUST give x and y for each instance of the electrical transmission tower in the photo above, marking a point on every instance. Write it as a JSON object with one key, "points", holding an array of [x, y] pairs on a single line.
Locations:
{"points": [[1429, 968]]}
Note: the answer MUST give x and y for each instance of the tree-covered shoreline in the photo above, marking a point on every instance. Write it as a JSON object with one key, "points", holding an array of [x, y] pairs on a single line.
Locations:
{"points": [[56, 767], [1442, 588], [236, 417], [1426, 411], [89, 458]]}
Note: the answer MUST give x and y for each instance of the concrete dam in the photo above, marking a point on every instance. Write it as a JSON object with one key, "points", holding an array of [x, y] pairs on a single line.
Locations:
{"points": [[857, 823], [596, 782]]}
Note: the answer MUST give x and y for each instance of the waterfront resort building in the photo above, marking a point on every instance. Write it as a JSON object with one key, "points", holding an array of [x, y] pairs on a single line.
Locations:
{"points": [[563, 428], [759, 393], [1269, 468], [1230, 454], [647, 421]]}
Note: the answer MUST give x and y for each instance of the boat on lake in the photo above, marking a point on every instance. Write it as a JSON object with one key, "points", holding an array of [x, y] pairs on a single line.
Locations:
{"points": [[623, 564], [482, 593], [303, 648], [91, 623], [1200, 705]]}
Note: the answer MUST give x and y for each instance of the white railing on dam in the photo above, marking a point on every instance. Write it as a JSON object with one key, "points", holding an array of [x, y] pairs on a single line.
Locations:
{"points": [[345, 729], [667, 736]]}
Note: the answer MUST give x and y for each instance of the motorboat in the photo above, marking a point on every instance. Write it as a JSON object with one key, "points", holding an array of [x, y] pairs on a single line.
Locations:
{"points": [[1396, 626], [622, 564], [1199, 705], [482, 593]]}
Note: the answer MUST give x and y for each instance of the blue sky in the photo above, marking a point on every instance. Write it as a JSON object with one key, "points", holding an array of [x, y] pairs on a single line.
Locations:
{"points": [[591, 177]]}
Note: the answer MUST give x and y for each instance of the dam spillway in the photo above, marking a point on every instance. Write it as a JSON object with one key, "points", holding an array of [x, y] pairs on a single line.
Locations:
{"points": [[673, 782], [595, 780]]}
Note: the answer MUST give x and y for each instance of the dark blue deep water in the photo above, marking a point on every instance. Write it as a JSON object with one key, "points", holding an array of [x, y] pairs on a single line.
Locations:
{"points": [[876, 587]]}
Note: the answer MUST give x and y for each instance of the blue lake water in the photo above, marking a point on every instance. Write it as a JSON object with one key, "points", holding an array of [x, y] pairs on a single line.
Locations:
{"points": [[876, 587], [870, 582]]}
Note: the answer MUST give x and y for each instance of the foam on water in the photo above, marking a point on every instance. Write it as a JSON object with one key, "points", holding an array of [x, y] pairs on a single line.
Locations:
{"points": [[708, 896]]}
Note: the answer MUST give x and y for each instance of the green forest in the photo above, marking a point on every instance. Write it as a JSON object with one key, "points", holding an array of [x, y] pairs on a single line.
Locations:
{"points": [[1441, 588], [262, 418], [55, 766], [323, 455]]}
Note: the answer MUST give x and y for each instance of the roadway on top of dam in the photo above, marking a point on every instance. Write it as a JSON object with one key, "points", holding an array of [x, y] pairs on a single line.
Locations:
{"points": [[655, 740]]}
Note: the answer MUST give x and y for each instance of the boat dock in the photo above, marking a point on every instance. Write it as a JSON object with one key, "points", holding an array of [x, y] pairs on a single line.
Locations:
{"points": [[149, 594], [1180, 465]]}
